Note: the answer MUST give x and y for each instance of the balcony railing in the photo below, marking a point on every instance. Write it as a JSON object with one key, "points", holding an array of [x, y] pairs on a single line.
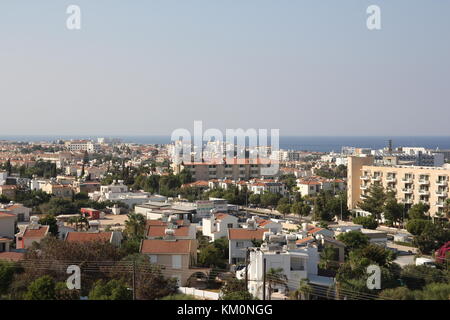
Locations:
{"points": [[364, 187], [365, 177], [391, 179], [424, 182], [441, 182], [424, 192], [377, 178], [407, 190], [407, 180], [442, 194]]}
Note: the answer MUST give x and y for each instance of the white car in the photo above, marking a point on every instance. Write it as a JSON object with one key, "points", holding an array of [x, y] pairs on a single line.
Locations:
{"points": [[425, 262]]}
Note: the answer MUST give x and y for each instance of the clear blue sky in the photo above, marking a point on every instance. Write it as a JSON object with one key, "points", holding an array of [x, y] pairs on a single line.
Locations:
{"points": [[307, 67]]}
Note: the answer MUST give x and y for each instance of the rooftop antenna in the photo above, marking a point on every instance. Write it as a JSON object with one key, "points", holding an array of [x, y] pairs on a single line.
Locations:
{"points": [[390, 146]]}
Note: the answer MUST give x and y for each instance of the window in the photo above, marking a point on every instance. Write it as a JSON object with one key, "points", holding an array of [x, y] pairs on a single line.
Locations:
{"points": [[297, 264], [230, 225], [176, 261], [239, 244], [153, 258]]}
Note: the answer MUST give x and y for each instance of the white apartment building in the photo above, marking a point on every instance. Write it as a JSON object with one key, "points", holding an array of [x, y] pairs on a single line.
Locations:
{"points": [[296, 264], [233, 169], [216, 226], [82, 145]]}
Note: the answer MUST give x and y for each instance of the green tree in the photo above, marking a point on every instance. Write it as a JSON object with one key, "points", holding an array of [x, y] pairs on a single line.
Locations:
{"points": [[58, 206], [417, 226], [327, 257], [255, 199], [418, 211], [284, 208], [135, 225], [393, 211], [6, 276], [269, 199], [374, 202], [235, 289], [399, 293], [417, 277], [353, 240], [366, 222], [304, 291], [434, 291], [210, 256], [111, 290], [301, 208], [50, 220], [275, 277], [42, 288], [432, 237]]}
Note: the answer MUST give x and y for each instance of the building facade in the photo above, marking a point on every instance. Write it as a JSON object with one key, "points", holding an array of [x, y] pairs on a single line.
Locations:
{"points": [[411, 184]]}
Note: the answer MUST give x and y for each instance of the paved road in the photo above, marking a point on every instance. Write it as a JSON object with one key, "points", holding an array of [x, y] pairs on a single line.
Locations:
{"points": [[275, 214]]}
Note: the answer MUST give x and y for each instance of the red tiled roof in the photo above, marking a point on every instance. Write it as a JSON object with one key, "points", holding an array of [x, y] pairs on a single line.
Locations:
{"points": [[220, 216], [155, 223], [314, 230], [305, 240], [166, 246], [245, 234], [36, 233], [263, 222], [4, 214], [11, 256], [159, 231], [88, 236]]}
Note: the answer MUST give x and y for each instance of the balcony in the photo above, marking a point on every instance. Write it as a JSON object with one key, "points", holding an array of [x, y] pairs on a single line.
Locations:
{"points": [[441, 183], [391, 179], [407, 201], [407, 190], [377, 178], [424, 182], [407, 180], [364, 187], [442, 194], [440, 204], [365, 178], [424, 201], [424, 192]]}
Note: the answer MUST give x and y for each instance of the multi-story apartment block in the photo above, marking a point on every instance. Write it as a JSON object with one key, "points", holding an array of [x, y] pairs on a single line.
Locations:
{"points": [[235, 169], [82, 145], [411, 184]]}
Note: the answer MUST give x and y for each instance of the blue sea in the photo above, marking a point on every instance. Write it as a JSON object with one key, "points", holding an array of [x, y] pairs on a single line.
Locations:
{"points": [[307, 143]]}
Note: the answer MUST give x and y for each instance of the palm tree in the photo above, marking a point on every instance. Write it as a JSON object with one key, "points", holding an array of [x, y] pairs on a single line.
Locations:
{"points": [[276, 277], [80, 222], [304, 291], [447, 209], [135, 225], [327, 256]]}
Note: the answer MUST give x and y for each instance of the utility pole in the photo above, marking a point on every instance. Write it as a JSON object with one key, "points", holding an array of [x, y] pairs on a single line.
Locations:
{"points": [[264, 279], [246, 267], [134, 279]]}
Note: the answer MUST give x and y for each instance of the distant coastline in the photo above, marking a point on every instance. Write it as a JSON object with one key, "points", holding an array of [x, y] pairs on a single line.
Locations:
{"points": [[307, 143]]}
